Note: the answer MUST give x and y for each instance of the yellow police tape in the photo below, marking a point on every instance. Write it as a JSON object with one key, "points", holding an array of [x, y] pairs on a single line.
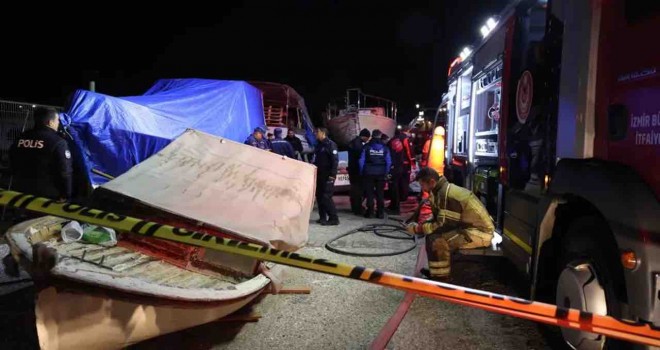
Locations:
{"points": [[643, 333]]}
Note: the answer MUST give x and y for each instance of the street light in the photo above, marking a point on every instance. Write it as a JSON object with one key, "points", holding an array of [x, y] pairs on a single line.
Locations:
{"points": [[417, 106]]}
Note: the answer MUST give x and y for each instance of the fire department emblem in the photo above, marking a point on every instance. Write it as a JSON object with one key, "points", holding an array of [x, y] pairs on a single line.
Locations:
{"points": [[524, 95]]}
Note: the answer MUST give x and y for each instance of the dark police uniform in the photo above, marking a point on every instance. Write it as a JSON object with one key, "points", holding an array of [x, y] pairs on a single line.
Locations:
{"points": [[41, 164], [261, 144], [354, 176], [282, 147], [326, 160]]}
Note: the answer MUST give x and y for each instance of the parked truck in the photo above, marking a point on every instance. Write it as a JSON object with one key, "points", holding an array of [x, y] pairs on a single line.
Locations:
{"points": [[554, 122]]}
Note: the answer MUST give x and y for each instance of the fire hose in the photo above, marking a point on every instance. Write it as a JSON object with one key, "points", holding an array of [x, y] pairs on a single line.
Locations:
{"points": [[380, 230]]}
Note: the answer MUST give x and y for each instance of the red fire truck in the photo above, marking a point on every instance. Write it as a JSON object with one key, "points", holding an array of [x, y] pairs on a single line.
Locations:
{"points": [[554, 122]]}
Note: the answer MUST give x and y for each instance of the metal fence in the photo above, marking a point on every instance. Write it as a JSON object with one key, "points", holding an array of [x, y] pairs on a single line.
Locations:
{"points": [[15, 117]]}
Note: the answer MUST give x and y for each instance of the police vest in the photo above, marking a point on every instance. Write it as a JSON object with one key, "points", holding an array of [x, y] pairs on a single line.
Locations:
{"points": [[374, 159]]}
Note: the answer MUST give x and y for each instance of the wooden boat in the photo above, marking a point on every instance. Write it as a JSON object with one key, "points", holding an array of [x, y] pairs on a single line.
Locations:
{"points": [[96, 297], [99, 297]]}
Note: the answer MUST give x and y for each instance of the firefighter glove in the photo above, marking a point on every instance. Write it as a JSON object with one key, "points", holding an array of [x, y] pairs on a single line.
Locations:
{"points": [[412, 228]]}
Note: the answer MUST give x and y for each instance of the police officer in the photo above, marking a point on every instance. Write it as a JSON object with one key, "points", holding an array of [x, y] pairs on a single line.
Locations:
{"points": [[296, 143], [459, 221], [354, 176], [375, 163], [326, 160], [257, 139], [41, 160], [281, 146]]}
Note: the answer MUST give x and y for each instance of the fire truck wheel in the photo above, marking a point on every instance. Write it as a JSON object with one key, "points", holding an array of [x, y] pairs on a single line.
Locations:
{"points": [[589, 276]]}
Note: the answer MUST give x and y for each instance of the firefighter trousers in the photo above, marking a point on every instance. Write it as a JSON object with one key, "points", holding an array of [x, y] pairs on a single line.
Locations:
{"points": [[439, 247]]}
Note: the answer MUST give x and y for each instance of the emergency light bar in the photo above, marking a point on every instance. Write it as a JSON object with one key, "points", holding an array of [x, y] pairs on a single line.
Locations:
{"points": [[491, 23], [465, 53]]}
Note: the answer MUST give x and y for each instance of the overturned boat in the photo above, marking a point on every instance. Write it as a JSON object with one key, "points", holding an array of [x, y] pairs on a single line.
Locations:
{"points": [[362, 112], [142, 287], [108, 298]]}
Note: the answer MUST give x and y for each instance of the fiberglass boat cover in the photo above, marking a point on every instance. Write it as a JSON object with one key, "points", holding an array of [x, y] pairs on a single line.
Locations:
{"points": [[238, 188]]}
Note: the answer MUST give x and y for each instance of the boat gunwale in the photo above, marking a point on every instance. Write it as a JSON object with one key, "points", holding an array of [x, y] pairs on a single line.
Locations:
{"points": [[103, 281]]}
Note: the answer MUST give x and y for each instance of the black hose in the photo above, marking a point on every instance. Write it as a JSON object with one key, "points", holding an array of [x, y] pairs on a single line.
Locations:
{"points": [[380, 230]]}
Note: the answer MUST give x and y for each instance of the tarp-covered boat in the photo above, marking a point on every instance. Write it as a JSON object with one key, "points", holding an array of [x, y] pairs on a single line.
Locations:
{"points": [[114, 134]]}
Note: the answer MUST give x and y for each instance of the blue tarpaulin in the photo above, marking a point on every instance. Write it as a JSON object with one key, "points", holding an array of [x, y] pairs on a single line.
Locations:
{"points": [[114, 134]]}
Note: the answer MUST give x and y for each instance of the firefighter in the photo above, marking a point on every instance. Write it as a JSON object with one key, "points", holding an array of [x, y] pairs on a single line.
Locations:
{"points": [[281, 146], [375, 163], [408, 161], [41, 160], [326, 161], [354, 176], [459, 221], [401, 167], [257, 139]]}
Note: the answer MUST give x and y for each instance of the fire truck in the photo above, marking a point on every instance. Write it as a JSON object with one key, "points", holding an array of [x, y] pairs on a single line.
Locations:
{"points": [[554, 123]]}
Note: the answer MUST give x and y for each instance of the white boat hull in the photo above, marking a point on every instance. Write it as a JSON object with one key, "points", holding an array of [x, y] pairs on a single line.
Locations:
{"points": [[110, 297], [346, 127], [74, 320], [386, 125]]}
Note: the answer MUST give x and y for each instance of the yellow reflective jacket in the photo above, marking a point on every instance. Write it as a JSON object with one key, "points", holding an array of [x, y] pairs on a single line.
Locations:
{"points": [[455, 207]]}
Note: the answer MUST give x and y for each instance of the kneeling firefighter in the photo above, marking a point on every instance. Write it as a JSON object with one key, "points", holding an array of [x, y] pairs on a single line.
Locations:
{"points": [[459, 220]]}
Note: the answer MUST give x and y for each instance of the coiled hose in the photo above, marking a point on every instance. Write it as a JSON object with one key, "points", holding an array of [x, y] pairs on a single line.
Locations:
{"points": [[381, 230]]}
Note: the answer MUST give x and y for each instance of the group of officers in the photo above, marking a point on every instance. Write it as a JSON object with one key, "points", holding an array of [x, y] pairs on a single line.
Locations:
{"points": [[41, 165], [373, 159], [372, 162], [290, 146]]}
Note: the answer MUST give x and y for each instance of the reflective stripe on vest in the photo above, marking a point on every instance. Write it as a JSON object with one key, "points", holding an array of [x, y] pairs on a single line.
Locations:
{"points": [[451, 215]]}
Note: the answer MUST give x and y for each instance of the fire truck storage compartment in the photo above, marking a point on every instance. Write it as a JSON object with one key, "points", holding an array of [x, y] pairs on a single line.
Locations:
{"points": [[487, 96], [485, 187], [462, 126]]}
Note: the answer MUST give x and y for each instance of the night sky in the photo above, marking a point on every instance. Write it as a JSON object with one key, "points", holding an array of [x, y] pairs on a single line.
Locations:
{"points": [[400, 51]]}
